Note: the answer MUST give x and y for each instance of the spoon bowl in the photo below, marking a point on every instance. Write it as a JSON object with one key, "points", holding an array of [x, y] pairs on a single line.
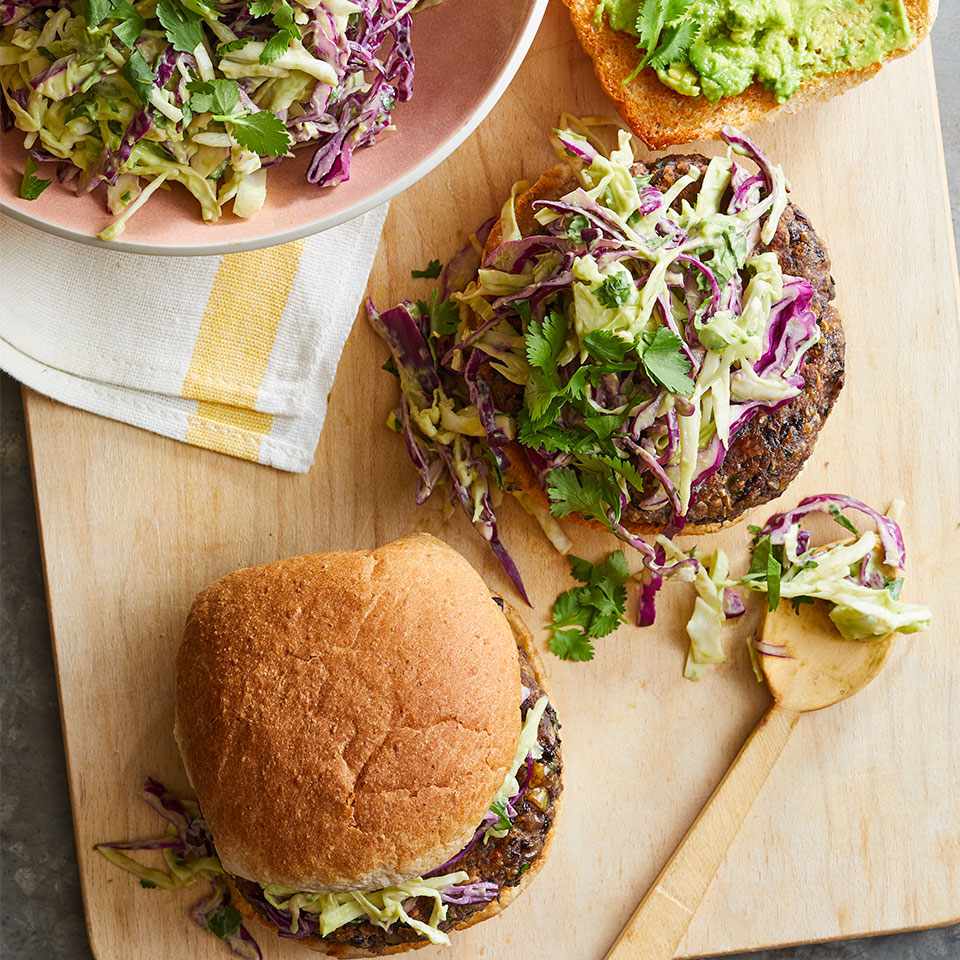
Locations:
{"points": [[817, 666]]}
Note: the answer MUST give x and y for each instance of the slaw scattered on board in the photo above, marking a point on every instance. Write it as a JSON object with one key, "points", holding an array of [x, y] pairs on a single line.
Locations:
{"points": [[133, 95]]}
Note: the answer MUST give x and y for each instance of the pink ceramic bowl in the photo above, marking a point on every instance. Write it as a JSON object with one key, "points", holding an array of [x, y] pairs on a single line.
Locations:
{"points": [[467, 53]]}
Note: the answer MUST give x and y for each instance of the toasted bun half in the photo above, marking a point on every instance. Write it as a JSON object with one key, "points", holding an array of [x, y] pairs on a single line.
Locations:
{"points": [[661, 117], [253, 920], [345, 718]]}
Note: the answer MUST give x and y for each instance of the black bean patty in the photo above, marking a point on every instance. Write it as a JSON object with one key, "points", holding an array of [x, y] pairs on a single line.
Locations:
{"points": [[769, 451], [503, 861]]}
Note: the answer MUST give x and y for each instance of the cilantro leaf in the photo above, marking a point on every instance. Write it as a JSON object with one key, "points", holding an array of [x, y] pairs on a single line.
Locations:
{"points": [[138, 74], [263, 133], [444, 315], [499, 809], [224, 48], [284, 19], [183, 28], [594, 610], [606, 346], [604, 425], [571, 645], [589, 495], [224, 922], [277, 46], [98, 11], [432, 270], [765, 567], [545, 341], [614, 290], [31, 186], [578, 223], [623, 468], [214, 96], [148, 885], [665, 363], [650, 24], [131, 23], [844, 521], [548, 436], [580, 569], [675, 47], [773, 582]]}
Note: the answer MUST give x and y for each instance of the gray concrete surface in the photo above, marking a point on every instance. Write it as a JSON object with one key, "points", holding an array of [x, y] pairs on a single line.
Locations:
{"points": [[41, 916]]}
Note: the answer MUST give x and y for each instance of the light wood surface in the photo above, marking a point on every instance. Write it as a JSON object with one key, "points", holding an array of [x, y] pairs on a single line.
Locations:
{"points": [[857, 830], [815, 668], [664, 914]]}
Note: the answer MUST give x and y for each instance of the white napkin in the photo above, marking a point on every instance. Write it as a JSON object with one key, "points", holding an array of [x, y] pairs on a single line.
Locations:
{"points": [[235, 353]]}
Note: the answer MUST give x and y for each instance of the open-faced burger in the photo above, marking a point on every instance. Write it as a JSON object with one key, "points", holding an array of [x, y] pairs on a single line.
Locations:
{"points": [[649, 346]]}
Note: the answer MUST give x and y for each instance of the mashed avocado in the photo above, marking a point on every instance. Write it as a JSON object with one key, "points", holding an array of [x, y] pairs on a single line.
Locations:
{"points": [[717, 48]]}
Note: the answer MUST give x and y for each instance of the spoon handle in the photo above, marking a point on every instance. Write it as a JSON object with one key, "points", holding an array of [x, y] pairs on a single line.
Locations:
{"points": [[658, 924]]}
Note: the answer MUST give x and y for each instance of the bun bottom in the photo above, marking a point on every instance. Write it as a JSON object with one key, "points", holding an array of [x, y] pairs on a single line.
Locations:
{"points": [[252, 918]]}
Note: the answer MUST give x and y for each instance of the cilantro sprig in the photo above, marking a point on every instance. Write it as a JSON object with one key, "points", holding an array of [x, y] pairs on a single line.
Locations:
{"points": [[591, 611], [32, 186], [131, 23], [283, 18], [184, 29], [432, 270], [766, 566], [666, 31], [264, 133]]}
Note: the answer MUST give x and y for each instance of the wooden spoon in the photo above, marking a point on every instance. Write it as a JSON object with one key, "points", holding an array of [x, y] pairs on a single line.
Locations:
{"points": [[808, 666]]}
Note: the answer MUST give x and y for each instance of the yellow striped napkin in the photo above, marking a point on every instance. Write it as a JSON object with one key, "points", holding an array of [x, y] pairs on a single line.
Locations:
{"points": [[236, 353]]}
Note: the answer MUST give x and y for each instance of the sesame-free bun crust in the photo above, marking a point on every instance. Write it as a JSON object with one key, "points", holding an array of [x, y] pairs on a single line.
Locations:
{"points": [[253, 920], [345, 718], [661, 117]]}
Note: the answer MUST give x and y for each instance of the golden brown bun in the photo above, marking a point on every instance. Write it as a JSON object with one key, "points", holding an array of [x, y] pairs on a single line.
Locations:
{"points": [[345, 718], [662, 117], [340, 950]]}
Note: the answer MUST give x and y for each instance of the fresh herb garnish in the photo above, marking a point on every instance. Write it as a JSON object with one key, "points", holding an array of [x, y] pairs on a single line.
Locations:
{"points": [[31, 186], [606, 346], [284, 20], [138, 74], [615, 289], [444, 315], [433, 270], [578, 223], [264, 133], [841, 518], [766, 567], [148, 885], [665, 362], [591, 495], [184, 29], [591, 611], [499, 809], [224, 922]]}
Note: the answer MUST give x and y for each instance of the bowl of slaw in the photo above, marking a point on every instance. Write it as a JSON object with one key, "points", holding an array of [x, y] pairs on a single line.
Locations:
{"points": [[201, 127]]}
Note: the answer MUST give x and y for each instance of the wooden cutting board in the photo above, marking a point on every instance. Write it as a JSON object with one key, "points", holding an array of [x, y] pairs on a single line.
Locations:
{"points": [[858, 829]]}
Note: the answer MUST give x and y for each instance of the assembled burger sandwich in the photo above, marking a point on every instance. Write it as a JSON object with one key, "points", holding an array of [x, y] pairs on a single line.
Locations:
{"points": [[375, 761]]}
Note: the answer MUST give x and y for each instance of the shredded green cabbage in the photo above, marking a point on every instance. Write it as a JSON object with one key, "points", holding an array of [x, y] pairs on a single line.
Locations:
{"points": [[383, 908], [528, 744]]}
